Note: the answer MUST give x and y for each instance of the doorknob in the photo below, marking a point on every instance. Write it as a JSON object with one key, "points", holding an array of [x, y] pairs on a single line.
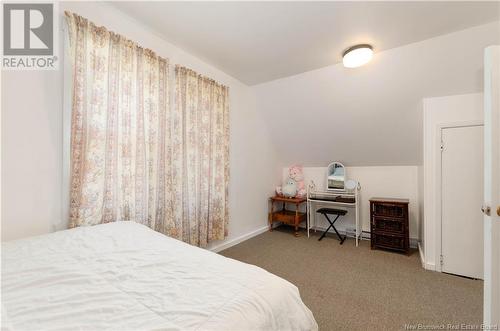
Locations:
{"points": [[498, 210], [487, 210]]}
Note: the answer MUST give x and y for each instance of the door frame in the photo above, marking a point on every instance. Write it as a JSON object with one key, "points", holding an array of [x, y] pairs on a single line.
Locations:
{"points": [[491, 301], [439, 183]]}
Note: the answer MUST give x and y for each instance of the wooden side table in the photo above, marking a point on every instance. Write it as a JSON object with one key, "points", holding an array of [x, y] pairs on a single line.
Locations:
{"points": [[289, 217]]}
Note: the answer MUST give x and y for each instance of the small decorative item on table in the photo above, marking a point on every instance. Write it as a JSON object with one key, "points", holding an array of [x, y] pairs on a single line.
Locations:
{"points": [[289, 217]]}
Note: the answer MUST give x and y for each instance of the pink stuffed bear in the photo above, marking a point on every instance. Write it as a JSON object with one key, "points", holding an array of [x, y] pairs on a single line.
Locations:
{"points": [[296, 173]]}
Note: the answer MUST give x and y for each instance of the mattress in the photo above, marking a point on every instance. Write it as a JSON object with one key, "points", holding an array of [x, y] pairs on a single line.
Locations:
{"points": [[125, 276]]}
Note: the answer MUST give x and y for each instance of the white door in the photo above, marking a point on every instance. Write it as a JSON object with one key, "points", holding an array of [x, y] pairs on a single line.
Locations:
{"points": [[461, 196], [492, 187]]}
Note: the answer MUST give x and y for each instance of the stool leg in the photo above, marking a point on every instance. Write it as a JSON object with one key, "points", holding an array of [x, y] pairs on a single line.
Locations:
{"points": [[334, 228], [328, 228], [324, 233], [338, 235]]}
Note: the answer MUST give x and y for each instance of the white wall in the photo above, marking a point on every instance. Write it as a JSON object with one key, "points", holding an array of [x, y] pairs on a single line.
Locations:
{"points": [[440, 111], [31, 152], [360, 117], [32, 138], [377, 181], [372, 115]]}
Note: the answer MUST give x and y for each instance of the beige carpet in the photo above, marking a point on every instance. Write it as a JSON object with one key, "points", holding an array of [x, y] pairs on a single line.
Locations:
{"points": [[349, 288]]}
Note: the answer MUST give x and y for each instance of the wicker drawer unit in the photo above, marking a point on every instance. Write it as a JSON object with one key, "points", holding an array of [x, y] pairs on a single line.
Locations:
{"points": [[389, 224]]}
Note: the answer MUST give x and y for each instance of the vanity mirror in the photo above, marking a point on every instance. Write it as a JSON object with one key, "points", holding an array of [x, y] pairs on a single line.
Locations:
{"points": [[335, 176]]}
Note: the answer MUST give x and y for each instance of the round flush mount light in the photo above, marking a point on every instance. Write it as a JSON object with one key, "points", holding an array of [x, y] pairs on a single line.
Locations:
{"points": [[357, 56]]}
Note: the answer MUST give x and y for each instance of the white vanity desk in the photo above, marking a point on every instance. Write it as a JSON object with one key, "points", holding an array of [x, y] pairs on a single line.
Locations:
{"points": [[335, 195]]}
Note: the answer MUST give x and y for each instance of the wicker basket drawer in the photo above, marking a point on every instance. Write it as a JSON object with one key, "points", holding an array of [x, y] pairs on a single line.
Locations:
{"points": [[389, 241], [387, 224], [389, 210]]}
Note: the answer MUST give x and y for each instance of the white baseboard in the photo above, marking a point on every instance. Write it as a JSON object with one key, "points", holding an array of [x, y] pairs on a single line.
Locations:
{"points": [[422, 259], [425, 265], [237, 240], [430, 266]]}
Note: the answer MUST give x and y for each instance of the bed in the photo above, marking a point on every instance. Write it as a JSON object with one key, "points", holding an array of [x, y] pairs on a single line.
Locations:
{"points": [[125, 276]]}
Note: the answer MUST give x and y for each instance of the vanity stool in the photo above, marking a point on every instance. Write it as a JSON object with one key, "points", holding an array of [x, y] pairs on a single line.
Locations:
{"points": [[332, 211]]}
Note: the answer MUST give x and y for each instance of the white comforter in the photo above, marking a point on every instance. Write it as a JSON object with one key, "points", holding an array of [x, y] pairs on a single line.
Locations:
{"points": [[124, 276]]}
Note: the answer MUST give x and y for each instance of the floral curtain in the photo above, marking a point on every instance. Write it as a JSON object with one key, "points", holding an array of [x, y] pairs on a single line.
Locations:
{"points": [[200, 161], [133, 158]]}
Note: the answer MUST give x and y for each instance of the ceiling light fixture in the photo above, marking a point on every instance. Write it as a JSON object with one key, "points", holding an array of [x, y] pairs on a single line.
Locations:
{"points": [[358, 55]]}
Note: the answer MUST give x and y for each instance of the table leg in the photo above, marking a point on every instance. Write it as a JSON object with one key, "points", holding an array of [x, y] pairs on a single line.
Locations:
{"points": [[271, 217], [359, 227], [307, 217], [296, 220], [313, 213]]}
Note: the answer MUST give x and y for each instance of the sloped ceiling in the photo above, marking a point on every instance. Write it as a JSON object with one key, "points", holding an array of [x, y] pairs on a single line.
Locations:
{"points": [[366, 116], [257, 42], [371, 115]]}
